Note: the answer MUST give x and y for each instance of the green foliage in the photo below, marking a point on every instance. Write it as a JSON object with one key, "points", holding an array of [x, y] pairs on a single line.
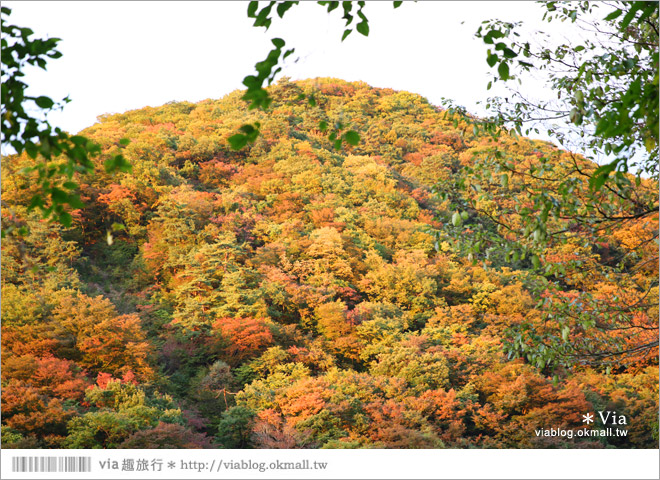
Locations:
{"points": [[234, 428], [250, 134], [607, 88], [607, 85], [120, 409], [56, 155], [267, 69]]}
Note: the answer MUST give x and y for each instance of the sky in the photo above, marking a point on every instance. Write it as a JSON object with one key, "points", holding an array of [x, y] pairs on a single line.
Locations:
{"points": [[119, 56]]}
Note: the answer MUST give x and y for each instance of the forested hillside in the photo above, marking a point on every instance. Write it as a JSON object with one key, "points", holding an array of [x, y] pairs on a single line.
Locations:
{"points": [[294, 295]]}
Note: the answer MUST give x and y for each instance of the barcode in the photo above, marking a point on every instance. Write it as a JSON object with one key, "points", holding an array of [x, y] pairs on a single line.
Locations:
{"points": [[51, 464]]}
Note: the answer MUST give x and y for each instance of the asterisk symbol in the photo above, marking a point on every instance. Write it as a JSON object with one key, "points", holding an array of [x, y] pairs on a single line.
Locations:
{"points": [[171, 464], [587, 418]]}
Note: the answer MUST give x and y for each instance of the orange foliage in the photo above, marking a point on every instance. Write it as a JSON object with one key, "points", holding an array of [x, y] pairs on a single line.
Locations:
{"points": [[242, 338]]}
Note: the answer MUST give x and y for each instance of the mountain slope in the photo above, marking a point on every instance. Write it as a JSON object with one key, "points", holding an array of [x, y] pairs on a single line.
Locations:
{"points": [[294, 295]]}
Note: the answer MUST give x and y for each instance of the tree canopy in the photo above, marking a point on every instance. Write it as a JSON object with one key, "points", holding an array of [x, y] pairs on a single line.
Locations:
{"points": [[426, 279], [291, 294], [56, 154], [606, 83]]}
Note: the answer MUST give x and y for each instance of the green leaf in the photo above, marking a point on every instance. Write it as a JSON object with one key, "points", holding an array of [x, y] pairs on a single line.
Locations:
{"points": [[65, 219], [44, 102], [31, 149], [58, 196], [397, 4], [323, 125], [616, 13], [251, 82], [597, 181], [347, 32], [78, 140], [247, 129], [363, 28], [252, 9], [124, 141], [627, 19], [311, 100], [492, 59], [118, 226], [352, 137], [650, 143], [36, 201], [278, 42], [283, 7], [338, 144], [117, 163], [535, 261], [600, 175], [508, 53], [332, 6], [75, 202], [503, 70], [237, 141], [456, 219], [504, 180]]}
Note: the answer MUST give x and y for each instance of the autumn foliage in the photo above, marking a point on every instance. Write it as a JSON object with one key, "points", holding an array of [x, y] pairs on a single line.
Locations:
{"points": [[289, 295]]}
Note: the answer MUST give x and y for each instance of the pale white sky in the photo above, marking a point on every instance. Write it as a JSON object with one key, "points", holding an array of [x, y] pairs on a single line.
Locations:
{"points": [[119, 56]]}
